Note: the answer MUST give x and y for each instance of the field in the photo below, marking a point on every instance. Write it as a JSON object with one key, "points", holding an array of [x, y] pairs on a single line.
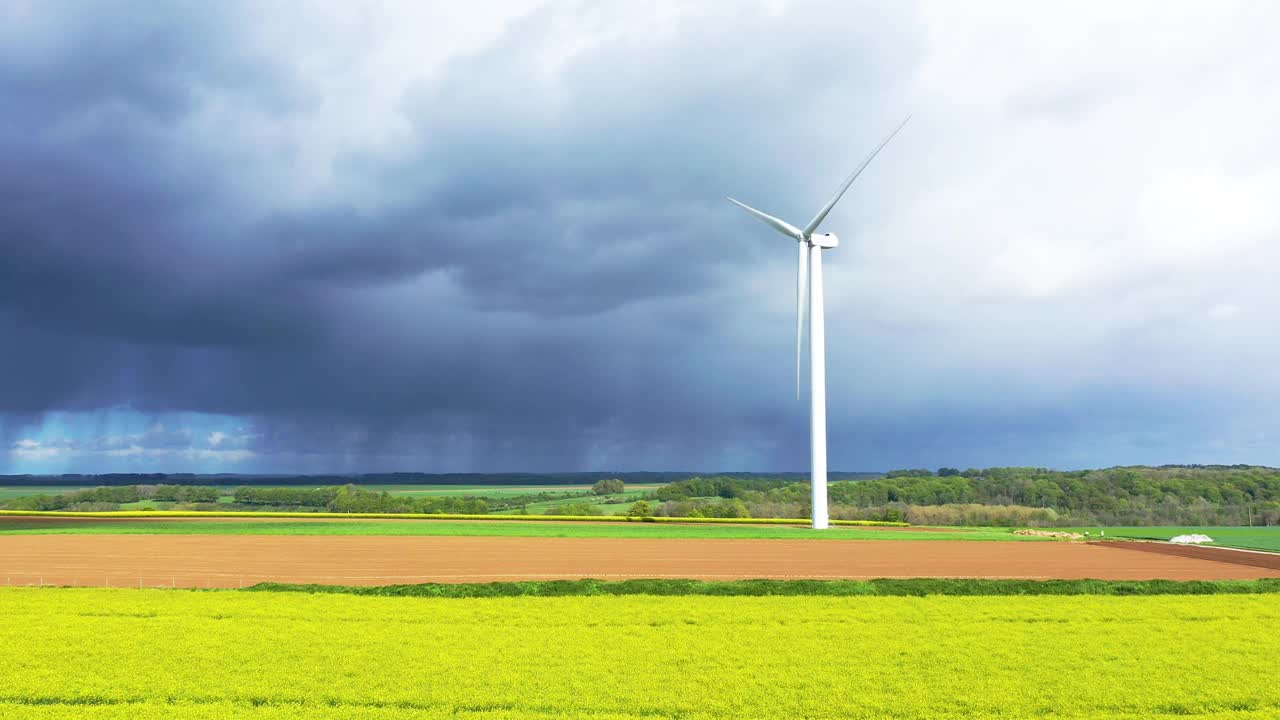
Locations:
{"points": [[37, 525], [1258, 538], [238, 551], [616, 504], [108, 654], [241, 560], [1253, 538], [505, 627], [503, 491], [8, 492]]}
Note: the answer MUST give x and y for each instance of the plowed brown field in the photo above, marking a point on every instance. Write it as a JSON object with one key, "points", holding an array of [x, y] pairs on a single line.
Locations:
{"points": [[235, 560]]}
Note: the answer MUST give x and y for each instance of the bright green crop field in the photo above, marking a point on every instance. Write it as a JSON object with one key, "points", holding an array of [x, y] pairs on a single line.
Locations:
{"points": [[601, 501], [1254, 538], [484, 528], [8, 492], [142, 655], [493, 491]]}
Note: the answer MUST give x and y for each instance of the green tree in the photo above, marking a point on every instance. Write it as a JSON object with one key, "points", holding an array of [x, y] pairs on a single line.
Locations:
{"points": [[913, 472], [640, 508], [576, 509], [611, 486]]}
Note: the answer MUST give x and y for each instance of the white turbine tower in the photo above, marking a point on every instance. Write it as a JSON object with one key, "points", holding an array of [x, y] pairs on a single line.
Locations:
{"points": [[811, 246]]}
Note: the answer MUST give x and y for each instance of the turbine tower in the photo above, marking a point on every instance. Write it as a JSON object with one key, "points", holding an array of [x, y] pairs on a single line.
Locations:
{"points": [[809, 279]]}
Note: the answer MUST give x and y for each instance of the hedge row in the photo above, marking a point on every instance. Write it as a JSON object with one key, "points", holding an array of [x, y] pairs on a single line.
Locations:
{"points": [[916, 587]]}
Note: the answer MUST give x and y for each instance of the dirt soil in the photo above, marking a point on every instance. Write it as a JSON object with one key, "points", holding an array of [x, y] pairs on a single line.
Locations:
{"points": [[235, 560]]}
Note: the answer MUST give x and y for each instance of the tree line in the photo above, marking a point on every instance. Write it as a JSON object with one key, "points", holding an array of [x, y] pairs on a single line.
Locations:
{"points": [[111, 498], [1167, 495], [1021, 496], [343, 499]]}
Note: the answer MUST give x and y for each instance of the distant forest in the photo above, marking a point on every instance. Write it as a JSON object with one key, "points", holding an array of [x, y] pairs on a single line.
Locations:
{"points": [[1022, 496], [1010, 496], [400, 478]]}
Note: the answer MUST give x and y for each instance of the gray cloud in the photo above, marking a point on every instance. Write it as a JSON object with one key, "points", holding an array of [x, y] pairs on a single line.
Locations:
{"points": [[516, 255]]}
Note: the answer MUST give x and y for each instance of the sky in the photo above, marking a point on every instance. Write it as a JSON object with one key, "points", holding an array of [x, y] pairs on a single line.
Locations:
{"points": [[478, 237]]}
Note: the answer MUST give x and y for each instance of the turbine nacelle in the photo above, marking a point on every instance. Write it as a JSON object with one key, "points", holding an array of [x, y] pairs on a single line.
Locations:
{"points": [[824, 240]]}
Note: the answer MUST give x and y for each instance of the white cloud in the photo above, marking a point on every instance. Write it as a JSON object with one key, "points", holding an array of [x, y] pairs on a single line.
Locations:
{"points": [[1118, 157], [33, 451], [1036, 265], [1187, 216], [156, 447], [1222, 311], [357, 61], [53, 448]]}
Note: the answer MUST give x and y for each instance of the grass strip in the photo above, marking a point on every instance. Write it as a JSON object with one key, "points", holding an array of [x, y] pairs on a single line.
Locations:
{"points": [[436, 516], [915, 587]]}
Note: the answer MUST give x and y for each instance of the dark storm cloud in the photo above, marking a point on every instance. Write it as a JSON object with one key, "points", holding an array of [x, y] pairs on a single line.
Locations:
{"points": [[524, 260], [135, 272], [111, 223], [91, 57]]}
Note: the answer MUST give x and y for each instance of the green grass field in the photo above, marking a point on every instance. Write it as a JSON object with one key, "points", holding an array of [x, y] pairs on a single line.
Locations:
{"points": [[1253, 538], [8, 492], [143, 655], [493, 491], [26, 525], [629, 497]]}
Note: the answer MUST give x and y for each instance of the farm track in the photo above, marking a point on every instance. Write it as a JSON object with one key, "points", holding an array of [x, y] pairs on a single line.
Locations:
{"points": [[239, 560]]}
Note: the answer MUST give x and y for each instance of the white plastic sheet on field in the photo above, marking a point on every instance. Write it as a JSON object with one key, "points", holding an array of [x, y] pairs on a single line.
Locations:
{"points": [[1192, 539]]}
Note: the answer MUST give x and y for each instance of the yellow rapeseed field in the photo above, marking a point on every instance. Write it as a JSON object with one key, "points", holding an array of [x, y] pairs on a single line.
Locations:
{"points": [[140, 654]]}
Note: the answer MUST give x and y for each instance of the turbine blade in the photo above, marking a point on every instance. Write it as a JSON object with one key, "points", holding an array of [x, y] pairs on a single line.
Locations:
{"points": [[780, 225], [822, 214], [802, 276]]}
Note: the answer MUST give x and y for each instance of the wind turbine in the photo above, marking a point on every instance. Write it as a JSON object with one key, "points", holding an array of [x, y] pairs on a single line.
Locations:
{"points": [[811, 245]]}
